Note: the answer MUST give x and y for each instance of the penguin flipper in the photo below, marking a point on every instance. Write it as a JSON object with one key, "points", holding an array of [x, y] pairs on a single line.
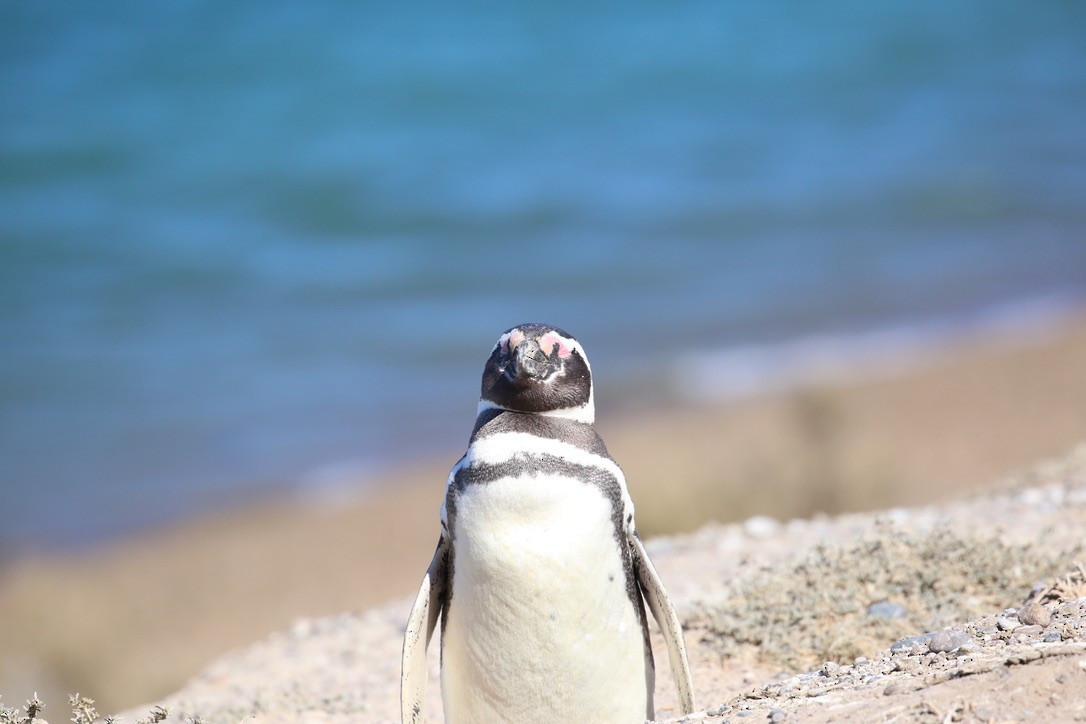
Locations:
{"points": [[652, 588], [416, 639]]}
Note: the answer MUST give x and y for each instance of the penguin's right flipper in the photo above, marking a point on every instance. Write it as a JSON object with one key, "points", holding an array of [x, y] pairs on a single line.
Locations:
{"points": [[416, 639], [652, 588]]}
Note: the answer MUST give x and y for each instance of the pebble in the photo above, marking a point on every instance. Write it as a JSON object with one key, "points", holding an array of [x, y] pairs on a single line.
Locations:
{"points": [[886, 610], [1031, 630], [904, 665], [1035, 614], [760, 526], [897, 515], [948, 641], [1052, 637], [1033, 497], [777, 715], [907, 643], [1007, 624], [303, 627]]}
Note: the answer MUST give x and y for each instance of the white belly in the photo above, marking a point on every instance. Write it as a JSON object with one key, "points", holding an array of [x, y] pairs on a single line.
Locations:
{"points": [[540, 625]]}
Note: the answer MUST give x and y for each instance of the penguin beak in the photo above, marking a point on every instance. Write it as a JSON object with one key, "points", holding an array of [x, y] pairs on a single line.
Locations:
{"points": [[530, 361]]}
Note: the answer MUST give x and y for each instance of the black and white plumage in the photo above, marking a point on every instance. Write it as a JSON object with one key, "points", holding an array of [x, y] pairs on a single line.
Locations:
{"points": [[539, 574]]}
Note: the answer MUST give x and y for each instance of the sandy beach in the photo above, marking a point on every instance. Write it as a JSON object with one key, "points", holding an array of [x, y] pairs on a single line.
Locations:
{"points": [[131, 621]]}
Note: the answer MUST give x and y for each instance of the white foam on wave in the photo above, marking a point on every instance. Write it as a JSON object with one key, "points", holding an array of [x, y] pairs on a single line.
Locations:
{"points": [[745, 370]]}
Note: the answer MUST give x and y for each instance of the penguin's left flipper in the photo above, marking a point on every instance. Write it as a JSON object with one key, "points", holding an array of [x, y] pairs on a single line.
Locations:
{"points": [[420, 628], [664, 613]]}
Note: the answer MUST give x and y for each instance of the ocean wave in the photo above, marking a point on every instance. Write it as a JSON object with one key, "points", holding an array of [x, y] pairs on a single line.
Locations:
{"points": [[746, 370]]}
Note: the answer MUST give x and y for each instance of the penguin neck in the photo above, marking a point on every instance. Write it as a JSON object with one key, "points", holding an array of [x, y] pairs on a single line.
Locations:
{"points": [[585, 413], [494, 421]]}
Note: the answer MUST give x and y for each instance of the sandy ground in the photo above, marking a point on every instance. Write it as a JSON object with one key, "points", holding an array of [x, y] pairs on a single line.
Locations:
{"points": [[967, 611], [131, 622]]}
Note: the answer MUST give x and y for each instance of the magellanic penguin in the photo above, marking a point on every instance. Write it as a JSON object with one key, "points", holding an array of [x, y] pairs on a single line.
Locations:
{"points": [[539, 572]]}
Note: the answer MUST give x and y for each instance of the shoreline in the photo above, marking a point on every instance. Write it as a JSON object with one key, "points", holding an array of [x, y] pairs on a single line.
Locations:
{"points": [[744, 371], [132, 619]]}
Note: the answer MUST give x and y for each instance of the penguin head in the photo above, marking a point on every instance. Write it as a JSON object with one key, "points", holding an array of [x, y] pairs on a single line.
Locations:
{"points": [[539, 369]]}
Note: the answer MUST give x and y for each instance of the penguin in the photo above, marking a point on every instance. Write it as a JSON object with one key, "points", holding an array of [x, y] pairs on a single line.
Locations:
{"points": [[540, 578]]}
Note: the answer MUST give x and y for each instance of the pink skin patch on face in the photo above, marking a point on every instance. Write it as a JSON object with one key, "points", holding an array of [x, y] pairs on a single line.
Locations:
{"points": [[512, 340], [550, 340]]}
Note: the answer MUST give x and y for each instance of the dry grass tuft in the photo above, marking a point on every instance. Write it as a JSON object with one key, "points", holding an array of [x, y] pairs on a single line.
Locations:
{"points": [[83, 712]]}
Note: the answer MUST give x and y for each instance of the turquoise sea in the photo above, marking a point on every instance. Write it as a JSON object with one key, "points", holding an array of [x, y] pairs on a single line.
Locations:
{"points": [[251, 247]]}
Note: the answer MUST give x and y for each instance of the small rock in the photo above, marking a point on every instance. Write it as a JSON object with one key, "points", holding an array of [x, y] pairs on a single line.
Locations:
{"points": [[897, 515], [760, 526], [1035, 614], [906, 644], [1031, 630], [1007, 624], [886, 610], [948, 641], [303, 627], [904, 665], [830, 668], [1052, 637], [778, 715], [1031, 497], [860, 660], [892, 689]]}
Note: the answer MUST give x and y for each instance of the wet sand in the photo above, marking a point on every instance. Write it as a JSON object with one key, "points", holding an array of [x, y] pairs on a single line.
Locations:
{"points": [[131, 621]]}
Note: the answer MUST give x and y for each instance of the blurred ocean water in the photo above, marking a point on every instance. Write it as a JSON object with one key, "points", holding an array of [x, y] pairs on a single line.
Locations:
{"points": [[244, 243]]}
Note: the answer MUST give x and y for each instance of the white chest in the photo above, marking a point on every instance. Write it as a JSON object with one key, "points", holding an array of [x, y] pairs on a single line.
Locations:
{"points": [[540, 625]]}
